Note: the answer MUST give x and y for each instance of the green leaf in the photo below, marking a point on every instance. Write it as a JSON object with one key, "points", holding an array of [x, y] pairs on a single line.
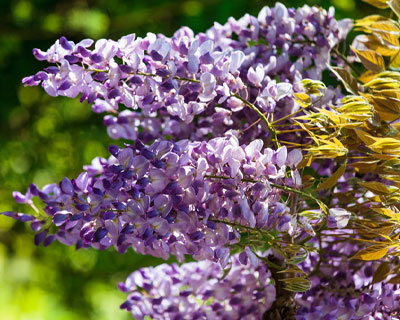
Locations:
{"points": [[389, 104], [297, 284], [349, 82], [226, 272], [377, 187], [332, 180], [313, 86], [381, 4], [395, 280], [381, 273], [365, 137], [374, 252], [364, 166], [386, 145], [370, 59], [395, 6], [296, 253], [311, 215]]}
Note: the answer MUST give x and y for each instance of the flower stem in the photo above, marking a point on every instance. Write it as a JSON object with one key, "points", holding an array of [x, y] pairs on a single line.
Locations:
{"points": [[270, 128]]}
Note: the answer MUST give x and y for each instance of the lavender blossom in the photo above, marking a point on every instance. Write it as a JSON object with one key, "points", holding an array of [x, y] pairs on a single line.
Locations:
{"points": [[175, 79], [171, 198], [199, 290], [343, 288]]}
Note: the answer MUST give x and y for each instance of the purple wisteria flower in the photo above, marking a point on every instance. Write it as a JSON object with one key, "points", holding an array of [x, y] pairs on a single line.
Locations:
{"points": [[173, 80], [344, 289], [199, 290], [338, 218], [184, 198], [201, 176]]}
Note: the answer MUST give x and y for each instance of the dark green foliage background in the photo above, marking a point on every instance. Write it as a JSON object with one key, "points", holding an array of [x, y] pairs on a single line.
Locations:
{"points": [[43, 139]]}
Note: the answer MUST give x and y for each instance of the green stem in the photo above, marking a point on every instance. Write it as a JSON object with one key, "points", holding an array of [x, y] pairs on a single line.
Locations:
{"points": [[302, 193], [289, 189], [269, 263], [344, 58], [150, 75], [237, 225], [270, 128], [305, 240], [300, 110]]}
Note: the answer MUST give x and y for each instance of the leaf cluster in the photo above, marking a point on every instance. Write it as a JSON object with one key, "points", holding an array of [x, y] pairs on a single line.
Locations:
{"points": [[361, 133]]}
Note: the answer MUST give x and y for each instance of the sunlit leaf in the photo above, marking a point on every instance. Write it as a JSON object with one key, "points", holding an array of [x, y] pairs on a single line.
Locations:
{"points": [[387, 212], [383, 156], [322, 206], [370, 59], [328, 149], [395, 61], [297, 284], [364, 166], [395, 280], [377, 187], [381, 83], [394, 93], [349, 82], [383, 106], [385, 236], [385, 25], [374, 252], [365, 137], [390, 38], [313, 86], [305, 162], [381, 4], [334, 117], [391, 166], [356, 110], [386, 145], [388, 103], [367, 76], [369, 20], [395, 6], [381, 273], [332, 180], [382, 42], [387, 50], [303, 97]]}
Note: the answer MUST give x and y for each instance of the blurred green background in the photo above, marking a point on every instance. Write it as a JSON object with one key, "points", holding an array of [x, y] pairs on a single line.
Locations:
{"points": [[43, 139]]}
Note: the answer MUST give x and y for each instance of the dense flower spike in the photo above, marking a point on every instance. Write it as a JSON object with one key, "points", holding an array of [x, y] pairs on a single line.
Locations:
{"points": [[175, 79], [180, 198], [199, 290]]}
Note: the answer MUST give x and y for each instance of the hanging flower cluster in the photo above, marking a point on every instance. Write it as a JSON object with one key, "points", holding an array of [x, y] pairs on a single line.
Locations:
{"points": [[238, 156]]}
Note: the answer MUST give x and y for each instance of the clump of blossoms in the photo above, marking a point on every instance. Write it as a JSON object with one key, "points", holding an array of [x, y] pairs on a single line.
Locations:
{"points": [[199, 290], [180, 198], [165, 82], [236, 155]]}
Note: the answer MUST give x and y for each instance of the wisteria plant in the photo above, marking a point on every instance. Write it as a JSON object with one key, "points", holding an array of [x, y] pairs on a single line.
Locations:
{"points": [[234, 153]]}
